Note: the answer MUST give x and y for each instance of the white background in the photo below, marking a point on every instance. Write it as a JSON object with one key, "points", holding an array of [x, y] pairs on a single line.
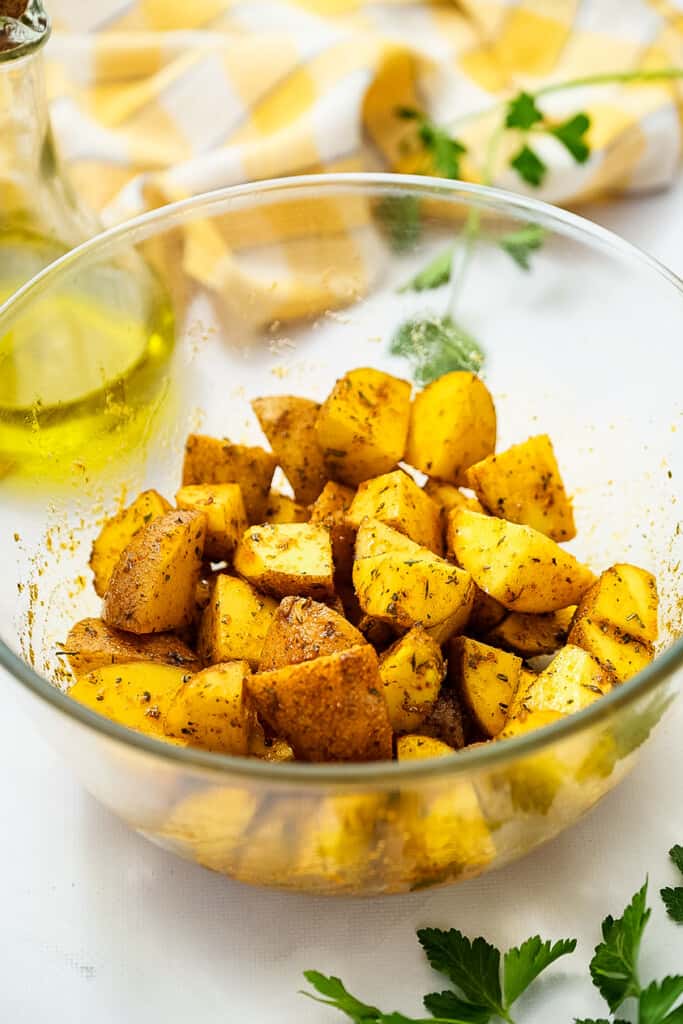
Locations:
{"points": [[97, 925]]}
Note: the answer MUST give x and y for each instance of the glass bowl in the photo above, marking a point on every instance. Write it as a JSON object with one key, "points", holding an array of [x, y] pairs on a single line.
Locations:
{"points": [[280, 287]]}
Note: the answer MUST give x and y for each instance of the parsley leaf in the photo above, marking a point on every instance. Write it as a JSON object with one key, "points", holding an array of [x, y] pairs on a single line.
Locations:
{"points": [[399, 219], [435, 346], [337, 996], [529, 166], [521, 243], [437, 272], [522, 964], [444, 149], [522, 112], [473, 967], [571, 135], [601, 1020], [658, 998], [676, 855], [614, 967], [452, 1007], [673, 901]]}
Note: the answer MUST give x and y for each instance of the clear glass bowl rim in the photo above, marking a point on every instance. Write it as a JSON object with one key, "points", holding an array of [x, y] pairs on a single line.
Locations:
{"points": [[462, 762]]}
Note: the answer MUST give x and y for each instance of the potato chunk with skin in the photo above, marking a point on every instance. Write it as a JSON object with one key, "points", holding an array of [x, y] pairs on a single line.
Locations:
{"points": [[235, 622], [446, 720], [288, 558], [531, 635], [154, 583], [302, 629], [211, 710], [136, 695], [283, 509], [289, 424], [91, 643], [210, 460], [118, 532], [418, 748], [395, 499], [408, 585], [448, 496], [487, 679], [328, 709], [412, 671], [572, 681], [226, 519], [486, 613], [523, 485], [624, 597], [518, 566], [330, 510], [362, 425], [452, 426], [619, 653]]}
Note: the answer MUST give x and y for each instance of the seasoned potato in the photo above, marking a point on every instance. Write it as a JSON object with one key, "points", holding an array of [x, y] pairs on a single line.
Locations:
{"points": [[414, 747], [211, 709], [535, 781], [412, 671], [571, 682], [624, 597], [211, 826], [486, 613], [362, 425], [289, 424], [328, 709], [446, 720], [518, 566], [209, 460], [528, 720], [526, 679], [330, 510], [283, 509], [117, 533], [409, 585], [154, 582], [531, 635], [619, 653], [289, 558], [376, 632], [136, 695], [448, 496], [395, 499], [302, 629], [226, 519], [267, 748], [91, 643], [336, 840], [235, 622], [523, 484], [486, 678], [452, 426]]}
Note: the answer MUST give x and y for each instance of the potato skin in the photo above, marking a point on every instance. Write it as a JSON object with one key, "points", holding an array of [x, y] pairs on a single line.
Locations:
{"points": [[303, 629], [519, 567], [395, 499], [452, 426], [486, 678], [211, 710], [446, 720], [328, 709], [412, 671], [209, 460], [523, 485], [330, 510], [289, 424], [235, 622], [154, 584], [362, 425], [118, 532], [226, 519], [287, 559], [91, 644], [620, 653]]}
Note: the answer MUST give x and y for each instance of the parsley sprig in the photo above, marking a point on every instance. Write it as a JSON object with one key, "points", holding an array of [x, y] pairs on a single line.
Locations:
{"points": [[673, 897]]}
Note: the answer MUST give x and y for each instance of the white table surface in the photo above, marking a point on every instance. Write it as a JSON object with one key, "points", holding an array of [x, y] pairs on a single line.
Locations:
{"points": [[98, 925]]}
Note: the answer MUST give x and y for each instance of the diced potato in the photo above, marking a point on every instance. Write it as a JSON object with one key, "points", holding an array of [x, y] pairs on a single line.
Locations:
{"points": [[624, 597], [211, 709], [288, 558], [523, 484], [362, 425], [302, 629], [330, 510], [329, 709], [289, 424], [452, 426], [336, 841], [376, 632], [409, 585], [486, 678], [283, 509], [528, 720], [211, 826], [448, 496], [619, 653], [446, 720], [395, 499], [91, 643], [518, 566], [486, 613], [412, 671], [534, 781], [154, 583], [210, 460], [531, 635], [235, 622], [418, 748], [268, 749], [526, 679], [136, 695], [571, 682], [226, 519], [117, 533]]}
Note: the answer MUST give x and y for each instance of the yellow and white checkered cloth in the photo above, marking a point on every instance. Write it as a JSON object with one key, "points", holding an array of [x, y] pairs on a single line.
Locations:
{"points": [[157, 99]]}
